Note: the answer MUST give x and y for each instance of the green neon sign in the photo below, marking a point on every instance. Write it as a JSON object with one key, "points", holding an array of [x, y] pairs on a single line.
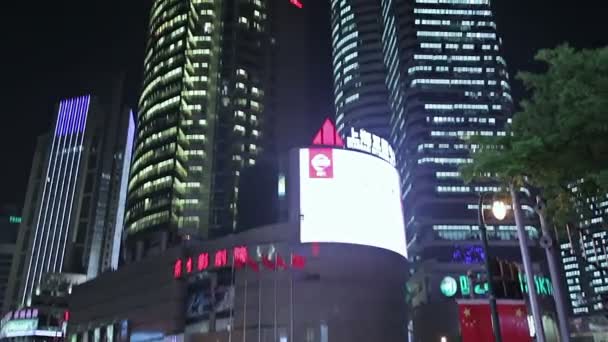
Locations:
{"points": [[448, 286], [449, 289], [14, 219]]}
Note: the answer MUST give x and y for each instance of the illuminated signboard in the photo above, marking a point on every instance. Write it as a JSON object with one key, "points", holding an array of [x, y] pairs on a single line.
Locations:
{"points": [[19, 327], [473, 254], [350, 197], [367, 142], [449, 286], [239, 258]]}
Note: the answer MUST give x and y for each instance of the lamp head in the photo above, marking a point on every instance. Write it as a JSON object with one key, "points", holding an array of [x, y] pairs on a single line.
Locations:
{"points": [[499, 210]]}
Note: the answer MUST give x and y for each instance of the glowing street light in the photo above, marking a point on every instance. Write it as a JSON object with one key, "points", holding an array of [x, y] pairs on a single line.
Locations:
{"points": [[499, 210]]}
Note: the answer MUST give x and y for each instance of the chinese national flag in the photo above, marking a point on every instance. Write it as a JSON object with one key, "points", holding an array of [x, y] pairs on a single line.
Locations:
{"points": [[475, 321], [514, 321]]}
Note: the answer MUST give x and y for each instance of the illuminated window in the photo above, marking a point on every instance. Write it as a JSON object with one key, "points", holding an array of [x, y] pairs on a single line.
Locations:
{"points": [[239, 128]]}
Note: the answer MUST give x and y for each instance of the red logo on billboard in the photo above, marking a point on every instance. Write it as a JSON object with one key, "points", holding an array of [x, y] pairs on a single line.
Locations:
{"points": [[321, 164]]}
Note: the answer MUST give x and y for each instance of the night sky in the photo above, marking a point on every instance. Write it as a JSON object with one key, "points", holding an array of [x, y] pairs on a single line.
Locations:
{"points": [[54, 49]]}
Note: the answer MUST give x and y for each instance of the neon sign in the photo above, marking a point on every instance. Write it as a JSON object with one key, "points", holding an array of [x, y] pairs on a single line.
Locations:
{"points": [[449, 286], [469, 254], [296, 3], [240, 259], [365, 141]]}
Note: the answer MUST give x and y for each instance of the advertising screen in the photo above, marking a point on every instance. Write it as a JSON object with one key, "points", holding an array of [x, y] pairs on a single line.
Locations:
{"points": [[350, 197]]}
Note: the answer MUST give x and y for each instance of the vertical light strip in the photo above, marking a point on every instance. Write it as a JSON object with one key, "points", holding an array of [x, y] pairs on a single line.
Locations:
{"points": [[67, 142], [82, 130], [35, 248], [58, 176], [122, 195], [65, 156], [69, 193]]}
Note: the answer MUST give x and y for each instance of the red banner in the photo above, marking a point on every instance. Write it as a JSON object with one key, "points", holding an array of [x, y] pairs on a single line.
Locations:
{"points": [[514, 321], [476, 321]]}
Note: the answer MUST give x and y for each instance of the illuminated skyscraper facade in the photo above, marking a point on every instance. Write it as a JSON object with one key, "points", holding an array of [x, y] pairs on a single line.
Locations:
{"points": [[361, 96], [447, 81], [584, 253], [72, 221], [200, 119]]}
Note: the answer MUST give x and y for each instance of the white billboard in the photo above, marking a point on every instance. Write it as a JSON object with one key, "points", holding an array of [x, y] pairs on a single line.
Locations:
{"points": [[350, 197]]}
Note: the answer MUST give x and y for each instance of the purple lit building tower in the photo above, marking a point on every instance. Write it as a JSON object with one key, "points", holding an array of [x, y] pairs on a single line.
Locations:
{"points": [[74, 208]]}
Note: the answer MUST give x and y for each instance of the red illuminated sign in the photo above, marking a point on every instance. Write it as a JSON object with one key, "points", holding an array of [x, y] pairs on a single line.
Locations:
{"points": [[203, 261], [177, 268], [240, 259], [221, 258], [240, 256], [296, 3], [320, 163], [328, 135], [189, 265]]}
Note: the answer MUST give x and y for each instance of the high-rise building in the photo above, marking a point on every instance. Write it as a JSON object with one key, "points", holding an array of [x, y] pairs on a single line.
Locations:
{"points": [[447, 81], [361, 96], [72, 219], [10, 218], [200, 119], [584, 254]]}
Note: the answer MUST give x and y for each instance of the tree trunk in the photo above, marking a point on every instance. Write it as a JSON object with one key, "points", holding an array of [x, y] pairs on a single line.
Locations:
{"points": [[554, 271], [525, 255]]}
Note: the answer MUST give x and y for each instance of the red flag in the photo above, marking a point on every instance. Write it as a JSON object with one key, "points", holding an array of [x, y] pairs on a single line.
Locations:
{"points": [[298, 261], [280, 262], [268, 263], [475, 321], [253, 264], [514, 321]]}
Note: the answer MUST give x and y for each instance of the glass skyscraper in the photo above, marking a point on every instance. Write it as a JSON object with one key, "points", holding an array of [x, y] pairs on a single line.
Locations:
{"points": [[200, 119], [361, 97], [447, 81], [433, 69], [72, 218], [584, 253]]}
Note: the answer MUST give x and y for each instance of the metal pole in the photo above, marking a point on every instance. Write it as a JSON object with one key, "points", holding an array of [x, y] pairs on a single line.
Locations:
{"points": [[525, 255], [555, 274], [492, 296]]}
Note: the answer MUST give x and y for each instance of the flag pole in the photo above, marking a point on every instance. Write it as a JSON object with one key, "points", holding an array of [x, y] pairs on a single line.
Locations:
{"points": [[233, 285], [291, 303], [245, 308], [259, 308], [275, 295]]}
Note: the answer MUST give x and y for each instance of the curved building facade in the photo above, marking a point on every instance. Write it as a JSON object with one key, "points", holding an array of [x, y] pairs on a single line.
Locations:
{"points": [[262, 285], [361, 97], [200, 118]]}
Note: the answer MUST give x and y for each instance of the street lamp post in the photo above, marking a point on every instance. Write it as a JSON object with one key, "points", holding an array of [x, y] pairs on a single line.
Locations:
{"points": [[484, 241]]}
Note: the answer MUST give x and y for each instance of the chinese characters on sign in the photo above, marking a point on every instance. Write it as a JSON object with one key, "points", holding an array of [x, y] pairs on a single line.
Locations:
{"points": [[240, 259], [449, 286], [367, 142]]}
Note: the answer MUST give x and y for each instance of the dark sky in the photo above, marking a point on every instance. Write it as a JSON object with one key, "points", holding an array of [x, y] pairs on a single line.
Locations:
{"points": [[53, 49]]}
